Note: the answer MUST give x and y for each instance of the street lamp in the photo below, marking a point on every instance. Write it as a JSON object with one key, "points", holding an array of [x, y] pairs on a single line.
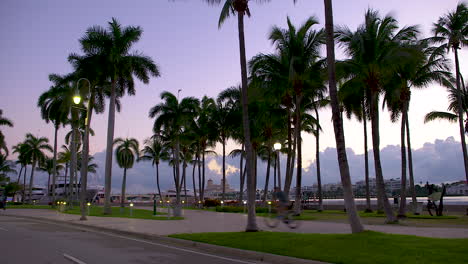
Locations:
{"points": [[84, 160]]}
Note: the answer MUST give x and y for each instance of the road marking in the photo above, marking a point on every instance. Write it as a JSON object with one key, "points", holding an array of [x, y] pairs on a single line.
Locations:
{"points": [[3, 229], [177, 248], [73, 259]]}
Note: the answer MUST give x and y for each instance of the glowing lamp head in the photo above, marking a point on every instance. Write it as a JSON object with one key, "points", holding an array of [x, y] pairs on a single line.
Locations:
{"points": [[245, 202], [269, 202], [168, 201], [183, 201], [77, 99], [160, 201], [64, 203], [222, 202], [199, 202], [277, 146], [131, 204], [88, 204]]}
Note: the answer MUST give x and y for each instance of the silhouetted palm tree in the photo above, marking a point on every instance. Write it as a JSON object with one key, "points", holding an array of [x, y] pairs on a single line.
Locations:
{"points": [[36, 146], [126, 152], [119, 64]]}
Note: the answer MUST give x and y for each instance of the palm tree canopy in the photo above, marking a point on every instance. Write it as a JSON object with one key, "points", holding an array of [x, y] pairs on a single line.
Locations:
{"points": [[36, 146], [154, 150], [126, 152], [452, 28], [112, 48], [230, 7]]}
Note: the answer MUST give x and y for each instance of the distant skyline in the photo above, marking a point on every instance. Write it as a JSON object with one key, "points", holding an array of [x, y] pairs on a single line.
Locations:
{"points": [[193, 55]]}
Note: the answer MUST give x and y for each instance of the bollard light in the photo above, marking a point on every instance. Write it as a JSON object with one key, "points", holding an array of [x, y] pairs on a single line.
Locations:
{"points": [[131, 204], [269, 202], [199, 202], [183, 201], [64, 203], [160, 201], [245, 202], [222, 202], [168, 201], [88, 204]]}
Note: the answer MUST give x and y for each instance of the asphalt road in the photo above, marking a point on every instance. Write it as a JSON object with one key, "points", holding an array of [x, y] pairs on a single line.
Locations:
{"points": [[28, 241]]}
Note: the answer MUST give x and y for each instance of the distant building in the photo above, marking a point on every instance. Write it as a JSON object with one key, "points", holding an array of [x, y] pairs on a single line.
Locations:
{"points": [[215, 190], [457, 188]]}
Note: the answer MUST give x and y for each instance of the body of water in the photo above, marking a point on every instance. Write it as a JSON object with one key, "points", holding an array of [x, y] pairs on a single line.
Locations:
{"points": [[449, 200]]}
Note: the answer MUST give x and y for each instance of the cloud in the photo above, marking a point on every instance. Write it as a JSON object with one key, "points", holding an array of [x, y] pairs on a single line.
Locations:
{"points": [[216, 167], [440, 161]]}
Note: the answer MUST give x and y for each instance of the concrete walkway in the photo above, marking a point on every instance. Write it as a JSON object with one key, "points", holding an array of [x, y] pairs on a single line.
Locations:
{"points": [[197, 221]]}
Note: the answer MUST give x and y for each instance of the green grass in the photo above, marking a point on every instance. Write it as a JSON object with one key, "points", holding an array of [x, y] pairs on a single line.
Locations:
{"points": [[28, 206], [136, 213], [367, 247]]}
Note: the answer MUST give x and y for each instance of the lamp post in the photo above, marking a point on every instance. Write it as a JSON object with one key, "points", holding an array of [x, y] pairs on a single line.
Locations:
{"points": [[85, 152], [277, 147], [88, 204], [131, 209]]}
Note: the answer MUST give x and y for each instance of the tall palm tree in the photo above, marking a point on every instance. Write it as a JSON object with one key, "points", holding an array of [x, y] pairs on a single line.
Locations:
{"points": [[47, 166], [375, 51], [55, 107], [126, 152], [452, 30], [426, 65], [112, 46], [24, 159], [241, 7], [223, 124], [174, 117], [6, 167], [353, 216], [4, 122], [36, 146], [154, 151], [65, 157], [452, 114]]}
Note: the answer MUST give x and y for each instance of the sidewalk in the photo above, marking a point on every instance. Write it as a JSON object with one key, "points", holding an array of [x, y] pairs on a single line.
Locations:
{"points": [[197, 221]]}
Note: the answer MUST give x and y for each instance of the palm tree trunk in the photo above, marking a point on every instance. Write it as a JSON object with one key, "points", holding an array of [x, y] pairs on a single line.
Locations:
{"points": [[31, 180], [366, 160], [73, 166], [85, 157], [402, 210], [317, 161], [48, 185], [279, 168], [157, 180], [241, 175], [203, 175], [288, 176], [267, 179], [185, 181], [298, 198], [109, 147], [24, 184], [18, 180], [65, 187], [54, 170], [460, 113], [200, 194], [376, 150], [122, 196], [353, 216], [177, 211], [251, 190], [224, 169], [410, 164], [291, 169], [275, 184], [193, 182]]}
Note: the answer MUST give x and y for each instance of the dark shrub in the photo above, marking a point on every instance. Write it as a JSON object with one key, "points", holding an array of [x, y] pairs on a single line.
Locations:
{"points": [[211, 203]]}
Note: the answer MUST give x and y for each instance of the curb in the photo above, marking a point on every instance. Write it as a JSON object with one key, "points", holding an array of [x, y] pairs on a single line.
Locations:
{"points": [[248, 255]]}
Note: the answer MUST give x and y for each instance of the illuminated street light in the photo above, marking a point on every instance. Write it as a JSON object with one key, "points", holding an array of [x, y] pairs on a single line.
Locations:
{"points": [[277, 146]]}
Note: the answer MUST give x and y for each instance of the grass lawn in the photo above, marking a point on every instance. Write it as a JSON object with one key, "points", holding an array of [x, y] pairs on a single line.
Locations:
{"points": [[367, 247], [28, 206], [136, 213]]}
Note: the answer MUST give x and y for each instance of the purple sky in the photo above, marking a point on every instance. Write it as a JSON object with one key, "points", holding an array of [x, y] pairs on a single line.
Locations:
{"points": [[193, 55]]}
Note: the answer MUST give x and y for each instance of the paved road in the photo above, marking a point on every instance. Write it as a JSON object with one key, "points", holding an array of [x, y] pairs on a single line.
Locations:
{"points": [[29, 241]]}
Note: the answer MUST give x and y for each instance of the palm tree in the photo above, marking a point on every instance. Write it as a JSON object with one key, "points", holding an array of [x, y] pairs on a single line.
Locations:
{"points": [[47, 166], [24, 159], [353, 216], [112, 47], [154, 151], [371, 67], [55, 107], [223, 124], [6, 167], [65, 157], [426, 65], [452, 114], [241, 7], [126, 152], [174, 117], [4, 122], [452, 30], [35, 149]]}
